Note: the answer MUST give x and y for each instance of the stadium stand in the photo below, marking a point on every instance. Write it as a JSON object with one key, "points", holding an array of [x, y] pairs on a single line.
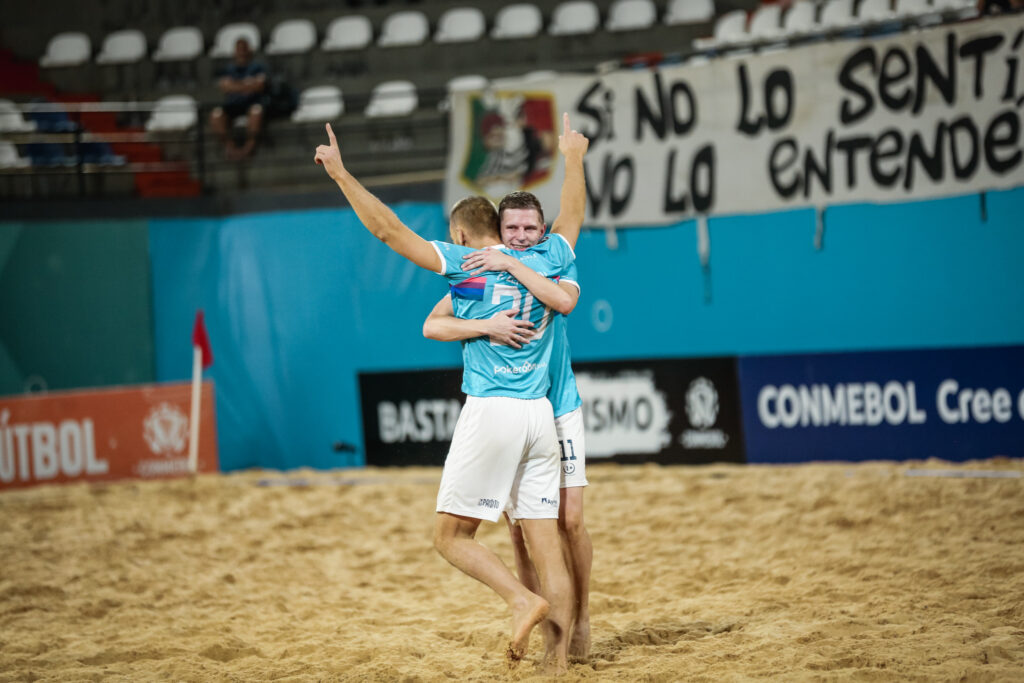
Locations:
{"points": [[499, 39]]}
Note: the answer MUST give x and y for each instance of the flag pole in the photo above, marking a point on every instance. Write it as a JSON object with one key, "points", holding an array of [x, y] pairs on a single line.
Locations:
{"points": [[197, 385]]}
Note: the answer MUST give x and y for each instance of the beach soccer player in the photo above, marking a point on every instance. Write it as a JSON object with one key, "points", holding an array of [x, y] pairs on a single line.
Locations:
{"points": [[522, 227], [504, 453]]}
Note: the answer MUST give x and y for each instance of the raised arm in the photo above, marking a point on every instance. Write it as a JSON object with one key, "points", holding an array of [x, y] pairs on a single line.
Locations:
{"points": [[572, 206], [560, 297], [502, 328], [375, 215]]}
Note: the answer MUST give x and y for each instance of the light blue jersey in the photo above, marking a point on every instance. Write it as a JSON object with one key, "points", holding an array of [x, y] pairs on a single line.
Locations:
{"points": [[564, 395], [495, 369]]}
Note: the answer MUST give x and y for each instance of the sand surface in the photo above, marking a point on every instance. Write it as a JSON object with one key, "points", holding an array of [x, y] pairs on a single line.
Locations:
{"points": [[718, 573]]}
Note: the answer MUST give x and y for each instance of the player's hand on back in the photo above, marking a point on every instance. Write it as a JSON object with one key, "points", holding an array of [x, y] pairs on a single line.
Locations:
{"points": [[505, 328], [570, 141], [329, 156], [487, 259]]}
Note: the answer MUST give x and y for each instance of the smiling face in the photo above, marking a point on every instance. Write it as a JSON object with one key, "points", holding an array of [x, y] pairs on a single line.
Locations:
{"points": [[521, 228]]}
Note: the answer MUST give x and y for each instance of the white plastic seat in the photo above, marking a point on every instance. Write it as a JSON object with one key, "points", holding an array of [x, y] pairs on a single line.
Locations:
{"points": [[408, 27], [122, 47], [837, 14], [12, 120], [631, 15], [871, 11], [173, 112], [292, 37], [521, 20], [9, 157], [730, 29], [766, 22], [801, 18], [392, 98], [179, 44], [319, 103], [227, 36], [574, 18], [689, 12], [460, 25], [467, 82], [347, 33], [67, 49]]}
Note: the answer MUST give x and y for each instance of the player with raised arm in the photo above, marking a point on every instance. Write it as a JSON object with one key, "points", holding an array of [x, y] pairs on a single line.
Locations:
{"points": [[504, 454], [522, 226]]}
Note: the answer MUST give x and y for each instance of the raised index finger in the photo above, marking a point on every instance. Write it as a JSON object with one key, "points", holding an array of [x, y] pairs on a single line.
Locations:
{"points": [[330, 135], [565, 123]]}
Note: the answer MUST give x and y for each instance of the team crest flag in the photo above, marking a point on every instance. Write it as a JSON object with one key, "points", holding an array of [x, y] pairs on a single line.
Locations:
{"points": [[512, 142]]}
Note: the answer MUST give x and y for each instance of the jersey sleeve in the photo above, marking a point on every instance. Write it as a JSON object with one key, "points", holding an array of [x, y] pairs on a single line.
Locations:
{"points": [[451, 260], [570, 275], [563, 246]]}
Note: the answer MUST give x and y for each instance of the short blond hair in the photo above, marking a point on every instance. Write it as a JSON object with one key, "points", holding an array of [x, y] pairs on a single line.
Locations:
{"points": [[477, 216]]}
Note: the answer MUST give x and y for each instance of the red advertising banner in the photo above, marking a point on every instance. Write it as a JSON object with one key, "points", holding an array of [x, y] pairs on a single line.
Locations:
{"points": [[103, 435]]}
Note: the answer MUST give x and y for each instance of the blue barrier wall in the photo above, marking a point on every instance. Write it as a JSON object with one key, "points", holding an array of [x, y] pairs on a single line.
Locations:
{"points": [[297, 303]]}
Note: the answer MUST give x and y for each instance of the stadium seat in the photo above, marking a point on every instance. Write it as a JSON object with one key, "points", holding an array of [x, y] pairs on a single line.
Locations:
{"points": [[392, 98], [11, 119], [574, 18], [347, 33], [9, 157], [408, 27], [67, 49], [871, 11], [179, 44], [766, 22], [173, 112], [227, 36], [292, 37], [319, 103], [631, 15], [730, 29], [460, 25], [837, 14], [689, 12], [521, 20], [801, 19], [467, 82], [122, 47]]}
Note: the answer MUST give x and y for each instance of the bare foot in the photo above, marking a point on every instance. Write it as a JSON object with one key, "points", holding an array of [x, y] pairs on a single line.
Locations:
{"points": [[579, 646], [525, 616]]}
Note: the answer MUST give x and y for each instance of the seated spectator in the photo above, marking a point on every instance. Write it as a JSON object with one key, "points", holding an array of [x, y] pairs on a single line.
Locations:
{"points": [[244, 85]]}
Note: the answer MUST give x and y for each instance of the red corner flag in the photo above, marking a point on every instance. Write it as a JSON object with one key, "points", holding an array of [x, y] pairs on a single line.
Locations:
{"points": [[202, 340]]}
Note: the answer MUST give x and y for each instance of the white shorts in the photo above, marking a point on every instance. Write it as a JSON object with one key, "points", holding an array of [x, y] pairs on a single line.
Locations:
{"points": [[572, 448], [504, 454]]}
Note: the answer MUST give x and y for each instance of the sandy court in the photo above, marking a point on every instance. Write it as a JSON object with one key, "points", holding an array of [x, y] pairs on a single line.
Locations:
{"points": [[808, 572]]}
